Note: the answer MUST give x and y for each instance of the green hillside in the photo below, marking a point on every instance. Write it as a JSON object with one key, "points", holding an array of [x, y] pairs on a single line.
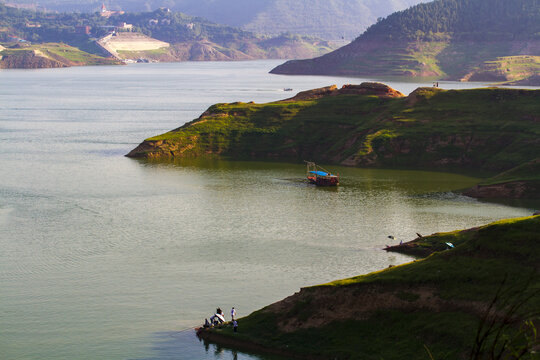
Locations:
{"points": [[511, 69], [470, 302], [451, 39], [368, 125], [484, 20], [522, 181]]}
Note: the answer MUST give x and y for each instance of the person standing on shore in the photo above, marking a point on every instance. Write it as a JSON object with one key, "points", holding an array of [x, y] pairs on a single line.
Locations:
{"points": [[233, 313]]}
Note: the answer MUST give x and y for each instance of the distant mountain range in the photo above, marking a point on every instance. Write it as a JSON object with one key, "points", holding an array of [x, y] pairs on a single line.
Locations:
{"points": [[133, 36], [482, 40], [328, 19]]}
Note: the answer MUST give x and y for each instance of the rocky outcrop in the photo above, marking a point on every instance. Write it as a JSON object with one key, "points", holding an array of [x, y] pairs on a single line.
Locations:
{"points": [[149, 150], [509, 190], [160, 149], [371, 88], [366, 88]]}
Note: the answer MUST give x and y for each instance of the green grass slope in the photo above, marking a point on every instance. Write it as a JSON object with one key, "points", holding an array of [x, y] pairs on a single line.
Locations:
{"points": [[48, 55], [482, 129], [523, 181], [453, 39], [508, 69], [436, 303]]}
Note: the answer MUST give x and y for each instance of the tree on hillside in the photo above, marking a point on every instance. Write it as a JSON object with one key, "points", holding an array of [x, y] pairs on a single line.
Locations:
{"points": [[464, 20]]}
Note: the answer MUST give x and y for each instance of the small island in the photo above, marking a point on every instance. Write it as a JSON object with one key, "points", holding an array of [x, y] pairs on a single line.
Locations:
{"points": [[493, 130]]}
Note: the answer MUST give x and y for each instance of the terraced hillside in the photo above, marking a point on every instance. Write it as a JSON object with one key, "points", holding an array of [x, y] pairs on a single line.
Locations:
{"points": [[450, 39]]}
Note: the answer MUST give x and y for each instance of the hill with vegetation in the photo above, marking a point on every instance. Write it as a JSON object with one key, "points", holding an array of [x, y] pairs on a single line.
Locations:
{"points": [[190, 38], [48, 55], [478, 300], [522, 181], [327, 19], [451, 39], [491, 129]]}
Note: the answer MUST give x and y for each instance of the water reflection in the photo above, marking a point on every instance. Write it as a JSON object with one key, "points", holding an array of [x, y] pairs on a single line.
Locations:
{"points": [[185, 345]]}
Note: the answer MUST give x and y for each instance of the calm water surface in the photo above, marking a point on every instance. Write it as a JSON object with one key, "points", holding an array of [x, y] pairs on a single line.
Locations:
{"points": [[108, 257]]}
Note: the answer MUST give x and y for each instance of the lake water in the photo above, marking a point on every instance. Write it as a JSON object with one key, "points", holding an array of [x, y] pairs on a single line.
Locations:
{"points": [[108, 257]]}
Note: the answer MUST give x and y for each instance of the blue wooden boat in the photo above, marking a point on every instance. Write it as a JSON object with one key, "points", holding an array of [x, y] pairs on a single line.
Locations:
{"points": [[319, 176]]}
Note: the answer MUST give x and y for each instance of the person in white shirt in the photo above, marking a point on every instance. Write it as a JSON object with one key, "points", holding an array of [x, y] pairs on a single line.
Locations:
{"points": [[233, 313]]}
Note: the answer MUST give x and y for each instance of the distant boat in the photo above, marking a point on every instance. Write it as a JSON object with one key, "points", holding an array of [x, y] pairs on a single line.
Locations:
{"points": [[288, 89], [319, 176]]}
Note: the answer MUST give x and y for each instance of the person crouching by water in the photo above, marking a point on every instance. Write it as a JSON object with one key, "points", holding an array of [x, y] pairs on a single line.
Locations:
{"points": [[217, 318], [233, 313]]}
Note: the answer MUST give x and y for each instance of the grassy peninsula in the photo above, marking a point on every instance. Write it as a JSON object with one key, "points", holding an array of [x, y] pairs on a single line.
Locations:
{"points": [[495, 130], [48, 55], [467, 40], [443, 304]]}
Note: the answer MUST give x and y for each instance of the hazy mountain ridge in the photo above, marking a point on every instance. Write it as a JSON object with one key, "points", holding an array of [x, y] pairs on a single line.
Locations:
{"points": [[325, 18], [329, 19]]}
